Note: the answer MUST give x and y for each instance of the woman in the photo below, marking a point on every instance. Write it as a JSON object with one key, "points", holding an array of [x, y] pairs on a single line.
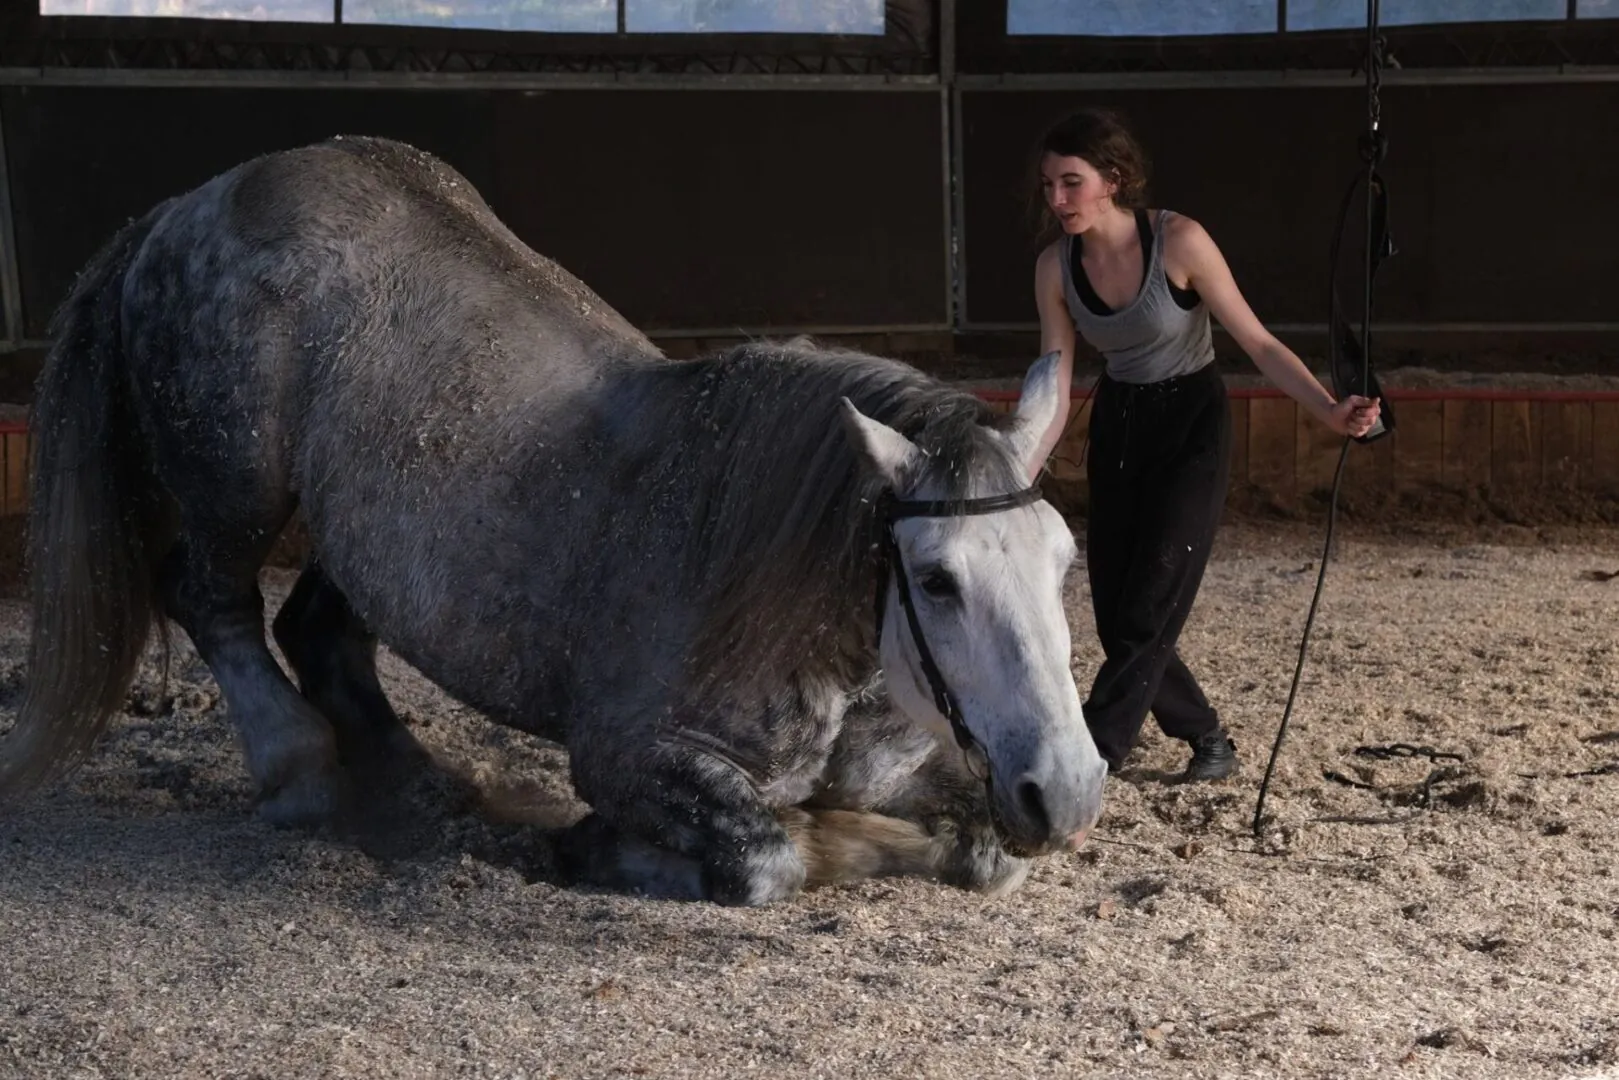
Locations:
{"points": [[1139, 286]]}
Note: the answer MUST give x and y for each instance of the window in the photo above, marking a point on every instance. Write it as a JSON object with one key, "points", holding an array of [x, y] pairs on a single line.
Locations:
{"points": [[550, 16], [545, 16], [322, 11], [1177, 18], [1340, 14], [753, 16], [1125, 18]]}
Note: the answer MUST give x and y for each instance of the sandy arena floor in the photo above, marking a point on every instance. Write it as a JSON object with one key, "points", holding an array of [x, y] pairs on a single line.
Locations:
{"points": [[150, 927]]}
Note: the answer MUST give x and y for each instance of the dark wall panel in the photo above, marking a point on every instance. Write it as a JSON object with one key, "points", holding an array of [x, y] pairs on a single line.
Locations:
{"points": [[1501, 196], [740, 208], [86, 160], [734, 208], [683, 209]]}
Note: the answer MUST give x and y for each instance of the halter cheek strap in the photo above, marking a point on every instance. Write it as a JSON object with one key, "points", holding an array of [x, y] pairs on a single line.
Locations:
{"points": [[893, 510]]}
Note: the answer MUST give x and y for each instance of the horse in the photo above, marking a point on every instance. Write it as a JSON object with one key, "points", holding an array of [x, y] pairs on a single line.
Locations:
{"points": [[695, 575]]}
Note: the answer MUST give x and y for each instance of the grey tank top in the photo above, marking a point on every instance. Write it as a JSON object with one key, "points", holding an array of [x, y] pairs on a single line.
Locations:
{"points": [[1151, 338]]}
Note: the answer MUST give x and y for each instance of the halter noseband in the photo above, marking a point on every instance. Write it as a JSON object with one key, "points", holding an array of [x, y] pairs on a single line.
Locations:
{"points": [[894, 509]]}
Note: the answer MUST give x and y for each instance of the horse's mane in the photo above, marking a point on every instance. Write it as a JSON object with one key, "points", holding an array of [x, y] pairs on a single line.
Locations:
{"points": [[786, 536]]}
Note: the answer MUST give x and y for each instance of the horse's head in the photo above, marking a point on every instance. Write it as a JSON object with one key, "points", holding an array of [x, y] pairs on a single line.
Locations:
{"points": [[976, 568]]}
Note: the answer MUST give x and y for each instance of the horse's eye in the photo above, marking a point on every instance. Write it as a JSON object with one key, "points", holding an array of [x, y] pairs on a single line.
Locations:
{"points": [[939, 584]]}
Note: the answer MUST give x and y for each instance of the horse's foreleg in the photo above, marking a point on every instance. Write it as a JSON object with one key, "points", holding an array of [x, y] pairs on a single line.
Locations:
{"points": [[679, 823], [954, 807], [832, 846], [841, 846], [886, 768]]}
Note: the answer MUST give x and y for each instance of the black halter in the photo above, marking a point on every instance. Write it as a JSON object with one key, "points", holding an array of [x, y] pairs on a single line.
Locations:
{"points": [[894, 509]]}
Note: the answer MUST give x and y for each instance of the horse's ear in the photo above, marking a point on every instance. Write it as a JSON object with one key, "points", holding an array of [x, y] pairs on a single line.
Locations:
{"points": [[880, 447], [1039, 421]]}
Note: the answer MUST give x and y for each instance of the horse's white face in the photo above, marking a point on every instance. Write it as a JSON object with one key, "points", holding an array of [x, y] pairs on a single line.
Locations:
{"points": [[988, 596]]}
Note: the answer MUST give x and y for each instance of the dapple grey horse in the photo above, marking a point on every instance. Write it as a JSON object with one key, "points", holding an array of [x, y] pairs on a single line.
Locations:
{"points": [[676, 569]]}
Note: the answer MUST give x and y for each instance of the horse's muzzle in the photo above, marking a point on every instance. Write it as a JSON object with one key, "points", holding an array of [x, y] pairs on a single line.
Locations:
{"points": [[1037, 817]]}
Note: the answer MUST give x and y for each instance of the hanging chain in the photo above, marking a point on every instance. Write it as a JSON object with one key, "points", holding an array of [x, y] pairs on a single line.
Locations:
{"points": [[1374, 105], [1371, 147]]}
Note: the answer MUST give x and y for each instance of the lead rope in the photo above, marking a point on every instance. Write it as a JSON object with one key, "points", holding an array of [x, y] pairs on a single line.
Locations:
{"points": [[1372, 149]]}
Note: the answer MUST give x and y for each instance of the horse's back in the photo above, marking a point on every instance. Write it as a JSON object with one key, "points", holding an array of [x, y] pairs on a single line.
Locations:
{"points": [[357, 283], [351, 226]]}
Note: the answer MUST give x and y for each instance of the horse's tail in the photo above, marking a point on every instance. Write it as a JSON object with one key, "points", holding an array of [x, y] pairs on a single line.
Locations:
{"points": [[90, 581]]}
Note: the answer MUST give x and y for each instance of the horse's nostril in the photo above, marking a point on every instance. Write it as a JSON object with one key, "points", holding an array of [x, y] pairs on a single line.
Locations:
{"points": [[1032, 800]]}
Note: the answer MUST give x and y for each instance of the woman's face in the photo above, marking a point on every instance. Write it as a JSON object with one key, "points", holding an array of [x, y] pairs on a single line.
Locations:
{"points": [[1076, 193]]}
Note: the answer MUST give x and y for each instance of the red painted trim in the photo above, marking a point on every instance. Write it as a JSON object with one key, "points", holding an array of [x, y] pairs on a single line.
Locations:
{"points": [[13, 427], [1459, 393]]}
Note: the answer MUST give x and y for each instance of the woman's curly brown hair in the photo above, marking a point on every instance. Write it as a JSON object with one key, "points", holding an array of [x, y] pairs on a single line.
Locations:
{"points": [[1102, 137]]}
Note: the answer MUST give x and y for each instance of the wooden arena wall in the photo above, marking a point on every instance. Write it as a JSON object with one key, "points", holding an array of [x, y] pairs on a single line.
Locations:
{"points": [[1552, 448]]}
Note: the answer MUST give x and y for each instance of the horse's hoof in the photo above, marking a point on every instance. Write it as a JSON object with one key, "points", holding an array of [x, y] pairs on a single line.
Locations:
{"points": [[1004, 878], [306, 802], [763, 877], [980, 864]]}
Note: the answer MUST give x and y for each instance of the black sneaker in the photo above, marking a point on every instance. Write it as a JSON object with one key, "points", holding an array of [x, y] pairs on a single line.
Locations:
{"points": [[1214, 757]]}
